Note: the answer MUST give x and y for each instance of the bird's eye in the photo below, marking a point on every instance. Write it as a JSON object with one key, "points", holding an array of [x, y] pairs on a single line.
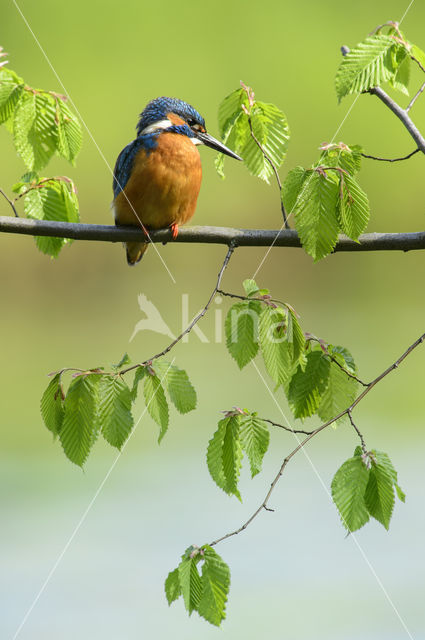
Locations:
{"points": [[193, 124]]}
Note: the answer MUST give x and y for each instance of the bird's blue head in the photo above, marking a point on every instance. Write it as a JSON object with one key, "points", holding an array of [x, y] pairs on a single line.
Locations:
{"points": [[176, 116]]}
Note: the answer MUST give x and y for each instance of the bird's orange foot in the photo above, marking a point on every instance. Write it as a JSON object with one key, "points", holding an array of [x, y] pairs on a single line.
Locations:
{"points": [[174, 230]]}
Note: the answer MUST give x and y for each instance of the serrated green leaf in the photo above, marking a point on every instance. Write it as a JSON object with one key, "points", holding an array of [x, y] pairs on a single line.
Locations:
{"points": [[35, 129], [293, 186], [400, 80], [51, 201], [51, 405], [215, 582], [69, 134], [400, 493], [80, 425], [124, 360], [114, 410], [307, 386], [417, 53], [316, 214], [341, 390], [172, 586], [269, 126], [353, 208], [379, 495], [139, 375], [241, 328], [224, 455], [348, 490], [365, 66], [250, 287], [295, 337], [10, 94], [190, 583], [156, 403], [275, 348], [179, 388], [254, 438], [348, 158]]}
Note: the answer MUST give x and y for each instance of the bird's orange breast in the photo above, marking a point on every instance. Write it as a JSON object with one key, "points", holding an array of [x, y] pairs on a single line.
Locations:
{"points": [[163, 186]]}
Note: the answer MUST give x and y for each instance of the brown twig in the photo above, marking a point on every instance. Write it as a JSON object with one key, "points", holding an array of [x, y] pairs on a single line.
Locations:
{"points": [[195, 320], [282, 426], [392, 159], [264, 504], [415, 97], [10, 202], [357, 430]]}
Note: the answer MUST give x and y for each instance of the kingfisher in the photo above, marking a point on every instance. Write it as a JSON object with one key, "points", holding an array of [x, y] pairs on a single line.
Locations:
{"points": [[158, 175]]}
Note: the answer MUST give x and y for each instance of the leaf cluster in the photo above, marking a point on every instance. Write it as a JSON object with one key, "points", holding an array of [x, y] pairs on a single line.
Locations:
{"points": [[364, 486], [98, 402], [204, 592]]}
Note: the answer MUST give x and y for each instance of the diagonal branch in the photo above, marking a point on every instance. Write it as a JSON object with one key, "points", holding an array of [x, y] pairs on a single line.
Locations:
{"points": [[12, 204], [347, 411], [206, 235]]}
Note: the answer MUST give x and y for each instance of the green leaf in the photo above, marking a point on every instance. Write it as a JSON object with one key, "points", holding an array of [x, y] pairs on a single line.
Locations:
{"points": [[339, 394], [400, 493], [190, 583], [353, 208], [316, 215], [10, 94], [269, 126], [250, 287], [241, 328], [271, 129], [35, 129], [367, 65], [383, 460], [215, 583], [296, 338], [379, 495], [306, 387], [53, 200], [139, 375], [69, 132], [124, 360], [156, 403], [254, 438], [348, 490], [293, 186], [173, 589], [417, 53], [401, 77], [348, 158], [80, 425], [275, 348], [114, 410], [179, 388], [51, 405], [224, 456]]}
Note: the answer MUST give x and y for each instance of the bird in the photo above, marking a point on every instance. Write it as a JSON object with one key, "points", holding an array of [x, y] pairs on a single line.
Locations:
{"points": [[157, 176]]}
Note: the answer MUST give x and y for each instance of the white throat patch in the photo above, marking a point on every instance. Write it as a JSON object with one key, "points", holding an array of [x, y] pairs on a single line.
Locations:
{"points": [[156, 126]]}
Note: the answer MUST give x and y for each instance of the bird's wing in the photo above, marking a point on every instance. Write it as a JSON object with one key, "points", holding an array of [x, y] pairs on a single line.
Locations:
{"points": [[124, 164]]}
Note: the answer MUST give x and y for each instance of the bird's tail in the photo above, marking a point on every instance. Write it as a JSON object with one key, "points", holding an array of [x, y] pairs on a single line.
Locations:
{"points": [[135, 251]]}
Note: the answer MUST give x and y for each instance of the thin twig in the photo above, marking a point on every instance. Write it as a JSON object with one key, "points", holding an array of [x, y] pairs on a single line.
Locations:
{"points": [[282, 426], [273, 166], [10, 202], [355, 427], [415, 97], [205, 235], [401, 115], [391, 159], [195, 319], [264, 504]]}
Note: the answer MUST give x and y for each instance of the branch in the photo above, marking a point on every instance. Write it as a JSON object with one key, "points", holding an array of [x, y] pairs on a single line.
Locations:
{"points": [[415, 97], [206, 235], [348, 411], [391, 159], [195, 319], [10, 202], [402, 114]]}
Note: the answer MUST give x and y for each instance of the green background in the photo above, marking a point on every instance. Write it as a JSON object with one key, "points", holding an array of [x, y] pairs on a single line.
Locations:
{"points": [[293, 572]]}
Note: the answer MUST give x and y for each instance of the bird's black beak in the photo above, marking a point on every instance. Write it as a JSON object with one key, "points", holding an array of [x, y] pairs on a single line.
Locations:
{"points": [[209, 141]]}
